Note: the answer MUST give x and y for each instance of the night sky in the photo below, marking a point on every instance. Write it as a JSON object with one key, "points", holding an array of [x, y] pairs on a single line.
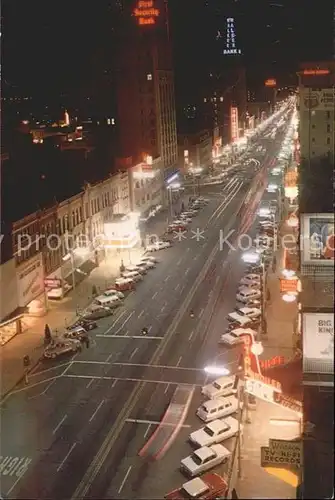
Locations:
{"points": [[67, 46]]}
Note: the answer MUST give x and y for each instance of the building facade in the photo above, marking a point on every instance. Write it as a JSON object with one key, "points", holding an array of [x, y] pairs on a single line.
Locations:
{"points": [[145, 93], [317, 110], [54, 249], [196, 151]]}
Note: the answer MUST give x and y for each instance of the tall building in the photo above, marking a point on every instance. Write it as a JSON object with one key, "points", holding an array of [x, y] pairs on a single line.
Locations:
{"points": [[317, 110], [145, 93]]}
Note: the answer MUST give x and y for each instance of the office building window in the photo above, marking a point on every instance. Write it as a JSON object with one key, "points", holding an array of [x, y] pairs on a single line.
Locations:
{"points": [[328, 140], [328, 128]]}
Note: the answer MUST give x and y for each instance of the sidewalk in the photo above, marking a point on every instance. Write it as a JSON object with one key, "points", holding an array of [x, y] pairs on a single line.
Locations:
{"points": [[60, 314], [256, 481]]}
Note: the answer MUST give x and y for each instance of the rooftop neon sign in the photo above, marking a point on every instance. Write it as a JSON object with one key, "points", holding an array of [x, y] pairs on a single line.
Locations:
{"points": [[145, 12]]}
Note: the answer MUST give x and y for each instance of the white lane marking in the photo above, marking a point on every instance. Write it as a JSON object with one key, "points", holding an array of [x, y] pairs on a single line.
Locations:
{"points": [[133, 353], [125, 479], [166, 388], [167, 278], [179, 361], [177, 286], [151, 422], [201, 312], [125, 321], [105, 377], [109, 357], [66, 457], [149, 329], [154, 295], [179, 261], [147, 431], [115, 322], [90, 383], [60, 423], [141, 313], [92, 362], [48, 370], [195, 257], [122, 337], [115, 382], [217, 279], [30, 387], [182, 289], [187, 270], [126, 334], [49, 385], [168, 367], [162, 308], [188, 249], [191, 335], [97, 409]]}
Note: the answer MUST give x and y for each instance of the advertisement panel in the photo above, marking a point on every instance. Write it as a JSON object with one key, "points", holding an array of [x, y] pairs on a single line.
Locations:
{"points": [[320, 100], [317, 239], [281, 452], [30, 280], [270, 82], [145, 12], [289, 285], [234, 123], [318, 342]]}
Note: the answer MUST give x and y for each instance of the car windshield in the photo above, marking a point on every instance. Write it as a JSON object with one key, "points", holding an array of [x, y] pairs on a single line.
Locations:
{"points": [[234, 335], [209, 431], [216, 385], [196, 459]]}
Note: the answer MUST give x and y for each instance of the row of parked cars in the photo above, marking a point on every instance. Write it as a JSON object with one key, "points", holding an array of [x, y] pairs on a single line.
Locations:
{"points": [[248, 312], [219, 409], [179, 224], [207, 442], [71, 339]]}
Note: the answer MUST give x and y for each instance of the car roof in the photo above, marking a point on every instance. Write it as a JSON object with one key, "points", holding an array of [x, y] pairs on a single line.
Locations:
{"points": [[240, 331], [247, 310], [247, 290], [216, 425], [204, 452], [195, 487], [223, 379], [210, 404], [252, 276]]}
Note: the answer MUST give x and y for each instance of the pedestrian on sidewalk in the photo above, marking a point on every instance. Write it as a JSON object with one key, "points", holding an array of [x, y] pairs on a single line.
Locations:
{"points": [[87, 342], [47, 334]]}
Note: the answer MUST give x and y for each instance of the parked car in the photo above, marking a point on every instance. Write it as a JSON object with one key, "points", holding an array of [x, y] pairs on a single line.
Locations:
{"points": [[251, 279], [184, 218], [87, 325], [215, 432], [150, 258], [61, 347], [134, 275], [111, 301], [223, 386], [113, 291], [124, 284], [204, 459], [159, 245], [147, 264], [190, 213], [235, 336], [249, 312], [207, 487], [172, 228], [97, 312], [245, 294], [217, 408], [78, 333], [136, 269]]}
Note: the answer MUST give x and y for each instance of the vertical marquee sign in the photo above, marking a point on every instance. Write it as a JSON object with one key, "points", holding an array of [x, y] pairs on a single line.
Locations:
{"points": [[233, 123], [145, 12]]}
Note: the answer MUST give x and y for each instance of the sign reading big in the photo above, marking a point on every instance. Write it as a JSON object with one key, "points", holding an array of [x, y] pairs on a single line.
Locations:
{"points": [[145, 12]]}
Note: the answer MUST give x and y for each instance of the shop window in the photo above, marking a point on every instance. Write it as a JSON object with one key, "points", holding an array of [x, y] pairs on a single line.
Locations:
{"points": [[328, 140]]}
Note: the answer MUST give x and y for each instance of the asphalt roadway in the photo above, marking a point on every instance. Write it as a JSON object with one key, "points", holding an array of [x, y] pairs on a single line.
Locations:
{"points": [[76, 430]]}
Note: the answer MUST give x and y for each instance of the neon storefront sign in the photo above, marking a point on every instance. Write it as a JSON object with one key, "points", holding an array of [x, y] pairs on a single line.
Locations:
{"points": [[146, 13]]}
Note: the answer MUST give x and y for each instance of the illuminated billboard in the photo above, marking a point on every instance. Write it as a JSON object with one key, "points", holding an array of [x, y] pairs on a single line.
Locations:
{"points": [[318, 342], [270, 82], [321, 100], [233, 123], [145, 12], [317, 239]]}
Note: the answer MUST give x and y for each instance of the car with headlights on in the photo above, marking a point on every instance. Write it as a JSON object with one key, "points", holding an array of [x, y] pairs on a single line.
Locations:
{"points": [[203, 459]]}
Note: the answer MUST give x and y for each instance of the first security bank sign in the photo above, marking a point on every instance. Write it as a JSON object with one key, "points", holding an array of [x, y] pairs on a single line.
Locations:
{"points": [[281, 453]]}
